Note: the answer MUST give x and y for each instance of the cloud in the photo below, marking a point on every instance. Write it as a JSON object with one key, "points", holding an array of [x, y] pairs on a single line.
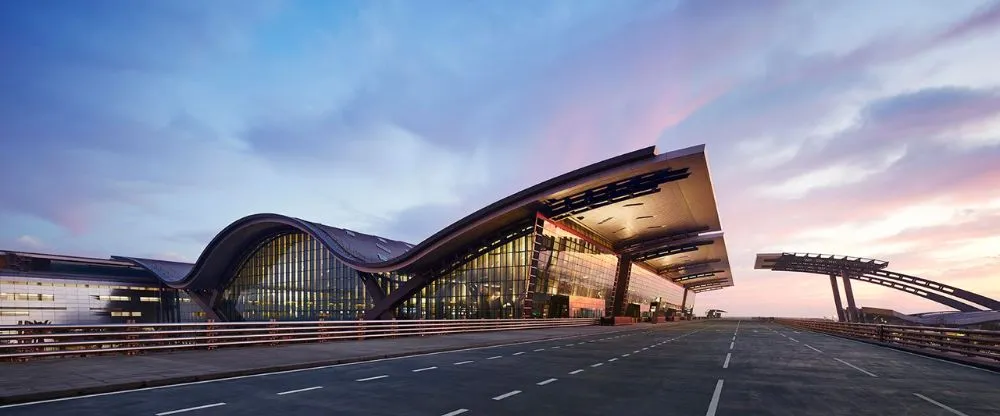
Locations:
{"points": [[145, 128], [28, 242]]}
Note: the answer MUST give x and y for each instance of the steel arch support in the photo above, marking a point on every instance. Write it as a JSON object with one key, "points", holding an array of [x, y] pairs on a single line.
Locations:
{"points": [[927, 284], [944, 300]]}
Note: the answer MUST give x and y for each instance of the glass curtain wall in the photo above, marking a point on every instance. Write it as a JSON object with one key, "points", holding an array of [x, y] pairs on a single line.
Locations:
{"points": [[490, 286], [575, 275], [645, 287], [69, 301], [293, 277]]}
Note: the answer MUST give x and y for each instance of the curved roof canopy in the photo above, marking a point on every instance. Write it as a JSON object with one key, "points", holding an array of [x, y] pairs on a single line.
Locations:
{"points": [[659, 209]]}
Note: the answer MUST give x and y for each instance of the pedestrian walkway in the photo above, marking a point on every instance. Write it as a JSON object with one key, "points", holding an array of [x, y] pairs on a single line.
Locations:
{"points": [[54, 378]]}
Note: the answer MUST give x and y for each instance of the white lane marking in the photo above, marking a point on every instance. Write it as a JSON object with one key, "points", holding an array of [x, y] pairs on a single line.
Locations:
{"points": [[793, 339], [939, 404], [645, 348], [855, 367], [495, 357], [297, 370], [825, 335], [424, 369], [653, 346], [731, 344], [580, 343], [597, 365], [635, 352], [814, 349], [592, 341], [576, 371], [544, 382], [569, 345], [372, 378], [626, 355], [611, 360], [455, 412], [728, 356], [299, 390], [555, 347], [190, 409], [714, 404], [539, 349], [506, 395], [518, 353]]}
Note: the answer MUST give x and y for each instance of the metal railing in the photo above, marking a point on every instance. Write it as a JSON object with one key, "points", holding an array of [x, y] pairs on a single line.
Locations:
{"points": [[24, 342], [979, 346]]}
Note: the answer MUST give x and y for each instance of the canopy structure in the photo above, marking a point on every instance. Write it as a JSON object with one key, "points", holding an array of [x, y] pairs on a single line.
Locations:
{"points": [[872, 271]]}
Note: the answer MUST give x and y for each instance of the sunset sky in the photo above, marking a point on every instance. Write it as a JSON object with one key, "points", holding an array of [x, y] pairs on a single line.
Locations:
{"points": [[868, 128]]}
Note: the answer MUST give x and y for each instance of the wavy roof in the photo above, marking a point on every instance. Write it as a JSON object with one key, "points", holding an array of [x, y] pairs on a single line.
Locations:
{"points": [[691, 202]]}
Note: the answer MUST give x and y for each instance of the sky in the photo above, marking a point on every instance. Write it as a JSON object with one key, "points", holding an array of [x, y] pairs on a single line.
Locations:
{"points": [[863, 128]]}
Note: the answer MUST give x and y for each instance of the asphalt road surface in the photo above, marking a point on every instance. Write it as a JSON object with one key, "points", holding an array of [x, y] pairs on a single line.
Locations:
{"points": [[701, 368]]}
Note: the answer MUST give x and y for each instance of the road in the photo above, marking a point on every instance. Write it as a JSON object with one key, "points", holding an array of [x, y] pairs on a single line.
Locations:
{"points": [[700, 368]]}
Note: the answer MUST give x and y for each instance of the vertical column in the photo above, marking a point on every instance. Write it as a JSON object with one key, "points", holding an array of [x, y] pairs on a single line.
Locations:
{"points": [[836, 298], [684, 305], [621, 286], [852, 308], [533, 271]]}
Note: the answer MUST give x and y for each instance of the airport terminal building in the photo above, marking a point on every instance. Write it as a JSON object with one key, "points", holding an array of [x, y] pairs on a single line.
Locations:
{"points": [[633, 235]]}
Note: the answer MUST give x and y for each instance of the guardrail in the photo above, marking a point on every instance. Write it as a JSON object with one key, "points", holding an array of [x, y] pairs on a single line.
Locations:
{"points": [[967, 345], [24, 342]]}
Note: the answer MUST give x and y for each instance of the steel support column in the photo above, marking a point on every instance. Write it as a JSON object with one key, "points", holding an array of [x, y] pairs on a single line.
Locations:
{"points": [[836, 298], [852, 308], [617, 307]]}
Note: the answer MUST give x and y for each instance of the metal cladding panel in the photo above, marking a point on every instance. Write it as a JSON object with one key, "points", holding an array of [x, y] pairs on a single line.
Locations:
{"points": [[167, 271]]}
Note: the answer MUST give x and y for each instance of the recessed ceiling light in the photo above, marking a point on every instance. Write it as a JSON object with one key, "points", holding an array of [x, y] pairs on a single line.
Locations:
{"points": [[644, 217], [619, 230], [655, 226], [634, 204], [605, 220]]}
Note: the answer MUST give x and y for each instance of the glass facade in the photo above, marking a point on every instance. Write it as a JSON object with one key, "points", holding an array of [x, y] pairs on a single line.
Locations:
{"points": [[492, 285], [26, 300], [576, 277], [645, 287], [293, 277]]}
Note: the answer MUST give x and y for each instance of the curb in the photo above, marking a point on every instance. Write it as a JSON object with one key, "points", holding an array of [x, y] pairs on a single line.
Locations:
{"points": [[163, 382]]}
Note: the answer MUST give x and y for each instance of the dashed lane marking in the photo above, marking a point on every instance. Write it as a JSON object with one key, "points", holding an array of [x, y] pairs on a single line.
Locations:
{"points": [[455, 412], [544, 382], [424, 369], [506, 395], [576, 371], [714, 404], [190, 409], [371, 378], [855, 367], [464, 362], [302, 390], [931, 401]]}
